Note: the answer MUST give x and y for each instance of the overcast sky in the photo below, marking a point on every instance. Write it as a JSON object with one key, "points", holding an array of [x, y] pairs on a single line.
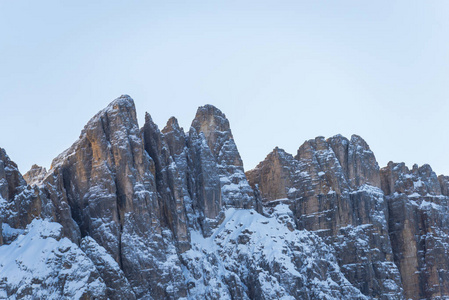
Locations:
{"points": [[282, 71]]}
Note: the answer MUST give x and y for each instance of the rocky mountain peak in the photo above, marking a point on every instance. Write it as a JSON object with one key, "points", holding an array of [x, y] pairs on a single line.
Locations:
{"points": [[362, 164], [10, 177], [175, 136], [331, 189], [211, 135], [35, 175], [172, 125], [398, 178], [274, 176], [19, 203], [214, 125], [122, 101]]}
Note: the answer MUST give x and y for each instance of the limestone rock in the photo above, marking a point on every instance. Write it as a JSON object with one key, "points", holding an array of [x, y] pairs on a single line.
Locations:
{"points": [[117, 285], [179, 150], [206, 187], [169, 183], [19, 203], [419, 228], [105, 178], [35, 175], [332, 187], [143, 213], [210, 132], [274, 176]]}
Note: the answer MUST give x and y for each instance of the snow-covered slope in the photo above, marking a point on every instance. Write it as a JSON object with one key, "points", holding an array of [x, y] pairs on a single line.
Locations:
{"points": [[264, 258], [41, 264]]}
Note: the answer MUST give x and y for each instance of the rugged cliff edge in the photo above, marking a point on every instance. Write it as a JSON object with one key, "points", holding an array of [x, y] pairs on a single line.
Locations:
{"points": [[143, 213], [333, 189], [389, 227]]}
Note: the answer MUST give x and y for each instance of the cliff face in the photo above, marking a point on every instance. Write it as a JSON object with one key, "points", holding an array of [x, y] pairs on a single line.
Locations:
{"points": [[144, 213], [389, 226], [107, 180], [20, 203], [37, 261], [333, 189], [419, 228]]}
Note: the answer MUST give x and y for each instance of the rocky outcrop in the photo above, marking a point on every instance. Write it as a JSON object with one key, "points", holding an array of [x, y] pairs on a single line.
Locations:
{"points": [[419, 228], [211, 135], [176, 141], [169, 183], [130, 197], [197, 174], [19, 203], [35, 175], [274, 176], [106, 180], [333, 189], [117, 285]]}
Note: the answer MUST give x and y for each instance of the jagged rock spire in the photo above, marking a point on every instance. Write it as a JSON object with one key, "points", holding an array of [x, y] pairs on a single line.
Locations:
{"points": [[105, 178], [210, 129], [35, 175]]}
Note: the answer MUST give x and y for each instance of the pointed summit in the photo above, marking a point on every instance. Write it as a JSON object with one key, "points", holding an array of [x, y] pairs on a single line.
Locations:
{"points": [[172, 124], [214, 125], [175, 136], [35, 175], [274, 175], [123, 100], [210, 129]]}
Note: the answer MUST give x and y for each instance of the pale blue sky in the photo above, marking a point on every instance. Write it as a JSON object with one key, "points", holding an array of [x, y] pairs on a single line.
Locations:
{"points": [[282, 71]]}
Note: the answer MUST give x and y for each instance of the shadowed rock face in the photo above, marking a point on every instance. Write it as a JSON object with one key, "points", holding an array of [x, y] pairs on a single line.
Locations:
{"points": [[333, 188], [419, 228], [19, 203], [210, 127], [169, 185]]}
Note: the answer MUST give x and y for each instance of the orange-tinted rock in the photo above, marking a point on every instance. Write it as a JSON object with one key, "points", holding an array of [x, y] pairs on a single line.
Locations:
{"points": [[333, 189], [106, 179]]}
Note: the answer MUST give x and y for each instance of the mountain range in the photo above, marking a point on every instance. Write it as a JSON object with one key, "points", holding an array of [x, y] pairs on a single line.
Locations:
{"points": [[130, 212]]}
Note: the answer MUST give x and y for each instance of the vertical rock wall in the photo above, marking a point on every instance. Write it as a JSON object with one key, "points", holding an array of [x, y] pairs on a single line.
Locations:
{"points": [[419, 228], [333, 188]]}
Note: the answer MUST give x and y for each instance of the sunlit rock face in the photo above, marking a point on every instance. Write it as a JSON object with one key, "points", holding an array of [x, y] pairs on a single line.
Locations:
{"points": [[106, 178], [131, 212], [35, 175], [333, 189], [129, 197]]}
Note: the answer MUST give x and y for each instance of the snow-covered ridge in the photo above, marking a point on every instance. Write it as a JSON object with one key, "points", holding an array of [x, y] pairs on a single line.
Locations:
{"points": [[41, 264], [285, 262]]}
